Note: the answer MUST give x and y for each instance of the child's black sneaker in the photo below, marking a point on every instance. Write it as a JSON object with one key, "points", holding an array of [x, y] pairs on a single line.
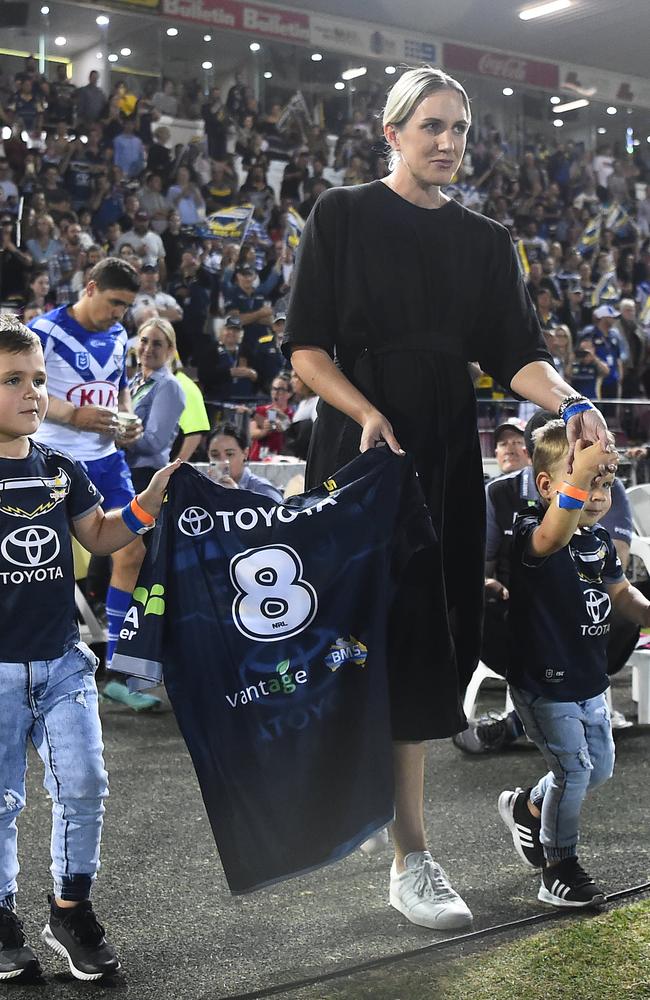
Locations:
{"points": [[567, 884], [76, 934], [16, 957], [523, 826]]}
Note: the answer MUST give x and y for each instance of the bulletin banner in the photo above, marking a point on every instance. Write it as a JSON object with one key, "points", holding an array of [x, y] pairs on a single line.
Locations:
{"points": [[504, 66], [271, 22]]}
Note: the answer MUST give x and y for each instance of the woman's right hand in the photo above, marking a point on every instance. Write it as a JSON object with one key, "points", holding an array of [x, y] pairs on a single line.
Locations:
{"points": [[377, 430]]}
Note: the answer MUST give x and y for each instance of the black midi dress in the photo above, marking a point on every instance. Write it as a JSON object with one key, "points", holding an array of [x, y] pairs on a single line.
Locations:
{"points": [[403, 298]]}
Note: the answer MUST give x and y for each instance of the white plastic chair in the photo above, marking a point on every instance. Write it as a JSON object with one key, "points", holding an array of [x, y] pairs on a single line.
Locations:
{"points": [[639, 500]]}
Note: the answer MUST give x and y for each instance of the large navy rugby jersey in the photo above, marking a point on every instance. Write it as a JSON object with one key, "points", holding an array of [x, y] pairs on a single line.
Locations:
{"points": [[268, 621]]}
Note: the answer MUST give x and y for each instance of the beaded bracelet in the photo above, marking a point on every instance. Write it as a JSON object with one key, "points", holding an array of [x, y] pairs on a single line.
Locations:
{"points": [[573, 411], [136, 518], [569, 401]]}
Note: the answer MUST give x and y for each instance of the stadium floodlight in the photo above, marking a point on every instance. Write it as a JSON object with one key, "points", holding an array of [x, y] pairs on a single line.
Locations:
{"points": [[352, 74], [544, 9], [572, 105]]}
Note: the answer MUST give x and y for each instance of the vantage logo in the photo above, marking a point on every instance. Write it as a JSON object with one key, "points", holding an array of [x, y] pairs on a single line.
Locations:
{"points": [[284, 683], [153, 603], [344, 651]]}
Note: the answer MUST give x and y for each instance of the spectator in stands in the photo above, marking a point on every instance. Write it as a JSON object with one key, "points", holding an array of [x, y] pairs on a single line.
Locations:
{"points": [[510, 445], [186, 198], [215, 120], [8, 186], [14, 264], [221, 189], [148, 245], [256, 191], [125, 99], [543, 301], [607, 346], [236, 98], [298, 433], [249, 302], [228, 452], [66, 263], [192, 288], [24, 106], [315, 189], [60, 105], [587, 369], [151, 296], [224, 370], [90, 100], [165, 100], [159, 157], [271, 420], [572, 313], [44, 245], [173, 242], [128, 150], [558, 341], [38, 292], [269, 359], [296, 174], [154, 202]]}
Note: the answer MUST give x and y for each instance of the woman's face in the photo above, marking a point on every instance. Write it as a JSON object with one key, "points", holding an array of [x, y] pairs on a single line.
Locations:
{"points": [[224, 448], [154, 350], [41, 285], [43, 227], [280, 394], [432, 142]]}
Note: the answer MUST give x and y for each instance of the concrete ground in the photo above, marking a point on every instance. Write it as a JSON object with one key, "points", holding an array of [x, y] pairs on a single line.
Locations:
{"points": [[164, 900]]}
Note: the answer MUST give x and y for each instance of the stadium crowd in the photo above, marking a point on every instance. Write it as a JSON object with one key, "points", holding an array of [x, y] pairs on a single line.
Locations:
{"points": [[85, 175]]}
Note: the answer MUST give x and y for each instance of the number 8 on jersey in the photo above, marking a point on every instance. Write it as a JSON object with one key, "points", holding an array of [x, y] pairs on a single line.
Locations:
{"points": [[273, 601]]}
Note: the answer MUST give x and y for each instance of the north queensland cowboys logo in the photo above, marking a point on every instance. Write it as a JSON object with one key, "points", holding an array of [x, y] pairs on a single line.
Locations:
{"points": [[598, 605], [195, 521], [31, 497], [35, 545]]}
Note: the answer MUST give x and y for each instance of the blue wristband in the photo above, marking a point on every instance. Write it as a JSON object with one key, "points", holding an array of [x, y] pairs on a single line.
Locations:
{"points": [[569, 503], [572, 411], [133, 523]]}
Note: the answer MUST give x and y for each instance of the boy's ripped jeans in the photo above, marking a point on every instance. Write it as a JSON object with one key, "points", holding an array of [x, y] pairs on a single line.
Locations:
{"points": [[575, 740], [54, 703]]}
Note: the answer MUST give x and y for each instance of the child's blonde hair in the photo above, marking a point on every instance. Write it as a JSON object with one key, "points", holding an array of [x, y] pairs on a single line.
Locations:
{"points": [[550, 446]]}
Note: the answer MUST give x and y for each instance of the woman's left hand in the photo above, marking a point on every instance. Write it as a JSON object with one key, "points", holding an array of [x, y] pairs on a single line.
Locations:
{"points": [[590, 426]]}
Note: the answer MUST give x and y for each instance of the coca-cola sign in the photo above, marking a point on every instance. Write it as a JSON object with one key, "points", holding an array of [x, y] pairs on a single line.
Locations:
{"points": [[504, 66]]}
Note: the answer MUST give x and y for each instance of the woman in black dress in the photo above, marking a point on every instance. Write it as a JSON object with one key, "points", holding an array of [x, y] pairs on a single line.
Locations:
{"points": [[404, 287]]}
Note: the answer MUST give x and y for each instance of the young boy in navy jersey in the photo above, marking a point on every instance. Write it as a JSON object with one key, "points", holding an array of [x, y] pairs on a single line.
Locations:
{"points": [[565, 579], [47, 686]]}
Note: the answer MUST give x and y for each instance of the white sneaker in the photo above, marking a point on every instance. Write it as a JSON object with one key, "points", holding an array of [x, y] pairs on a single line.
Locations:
{"points": [[375, 844], [424, 895]]}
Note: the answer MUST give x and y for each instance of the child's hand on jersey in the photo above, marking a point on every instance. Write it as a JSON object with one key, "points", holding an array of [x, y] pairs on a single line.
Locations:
{"points": [[151, 499]]}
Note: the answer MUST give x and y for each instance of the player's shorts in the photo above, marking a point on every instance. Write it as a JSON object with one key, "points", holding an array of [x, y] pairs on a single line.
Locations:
{"points": [[112, 477]]}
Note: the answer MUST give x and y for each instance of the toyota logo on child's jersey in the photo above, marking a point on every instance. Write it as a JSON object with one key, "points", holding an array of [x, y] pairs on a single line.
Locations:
{"points": [[195, 521], [98, 393], [35, 545], [598, 605]]}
